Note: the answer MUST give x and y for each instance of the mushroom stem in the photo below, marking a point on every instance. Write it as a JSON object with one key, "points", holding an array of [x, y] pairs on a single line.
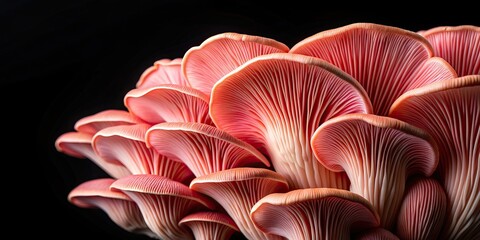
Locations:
{"points": [[378, 154]]}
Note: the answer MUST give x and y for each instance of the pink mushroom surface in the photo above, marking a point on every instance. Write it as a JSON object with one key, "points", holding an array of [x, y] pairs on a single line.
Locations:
{"points": [[163, 71], [275, 102], [423, 210], [106, 118], [168, 103], [237, 190], [450, 112], [163, 203], [314, 213], [378, 154], [203, 148], [208, 225], [119, 207], [386, 60], [458, 45], [125, 145], [218, 55], [79, 145]]}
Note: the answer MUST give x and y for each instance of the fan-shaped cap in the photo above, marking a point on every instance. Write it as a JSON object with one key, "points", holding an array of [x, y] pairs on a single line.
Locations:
{"points": [[209, 225], [203, 148], [163, 203], [450, 112], [119, 207], [218, 55], [386, 60], [237, 190], [163, 71], [106, 118], [168, 103], [275, 102], [378, 154], [423, 210], [126, 145], [79, 145], [458, 45], [74, 144], [314, 213]]}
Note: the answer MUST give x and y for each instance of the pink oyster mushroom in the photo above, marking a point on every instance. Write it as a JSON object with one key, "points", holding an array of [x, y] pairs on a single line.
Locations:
{"points": [[78, 143], [450, 112], [378, 154], [385, 70], [125, 145], [220, 54], [237, 190], [164, 203], [168, 103], [208, 225], [386, 60], [163, 71], [458, 45], [118, 206], [314, 213], [423, 210], [203, 148], [276, 101]]}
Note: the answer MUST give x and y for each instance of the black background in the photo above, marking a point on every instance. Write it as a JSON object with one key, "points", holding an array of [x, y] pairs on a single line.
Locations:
{"points": [[61, 61]]}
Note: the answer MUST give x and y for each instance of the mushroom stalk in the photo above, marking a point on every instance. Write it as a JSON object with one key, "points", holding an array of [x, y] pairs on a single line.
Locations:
{"points": [[378, 154]]}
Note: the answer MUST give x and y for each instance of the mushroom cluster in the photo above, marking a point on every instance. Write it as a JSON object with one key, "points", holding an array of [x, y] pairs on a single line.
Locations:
{"points": [[365, 131]]}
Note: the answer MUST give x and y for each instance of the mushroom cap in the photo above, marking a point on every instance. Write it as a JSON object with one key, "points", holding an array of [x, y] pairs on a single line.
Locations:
{"points": [[237, 190], [218, 55], [378, 153], [159, 186], [118, 206], [386, 60], [240, 174], [79, 145], [106, 118], [126, 145], [168, 103], [163, 203], [74, 144], [276, 101], [345, 132], [203, 148], [458, 45], [163, 71], [450, 112], [99, 187], [314, 213]]}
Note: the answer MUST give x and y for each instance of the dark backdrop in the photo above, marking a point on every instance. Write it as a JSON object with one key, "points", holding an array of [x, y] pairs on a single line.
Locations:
{"points": [[64, 60]]}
